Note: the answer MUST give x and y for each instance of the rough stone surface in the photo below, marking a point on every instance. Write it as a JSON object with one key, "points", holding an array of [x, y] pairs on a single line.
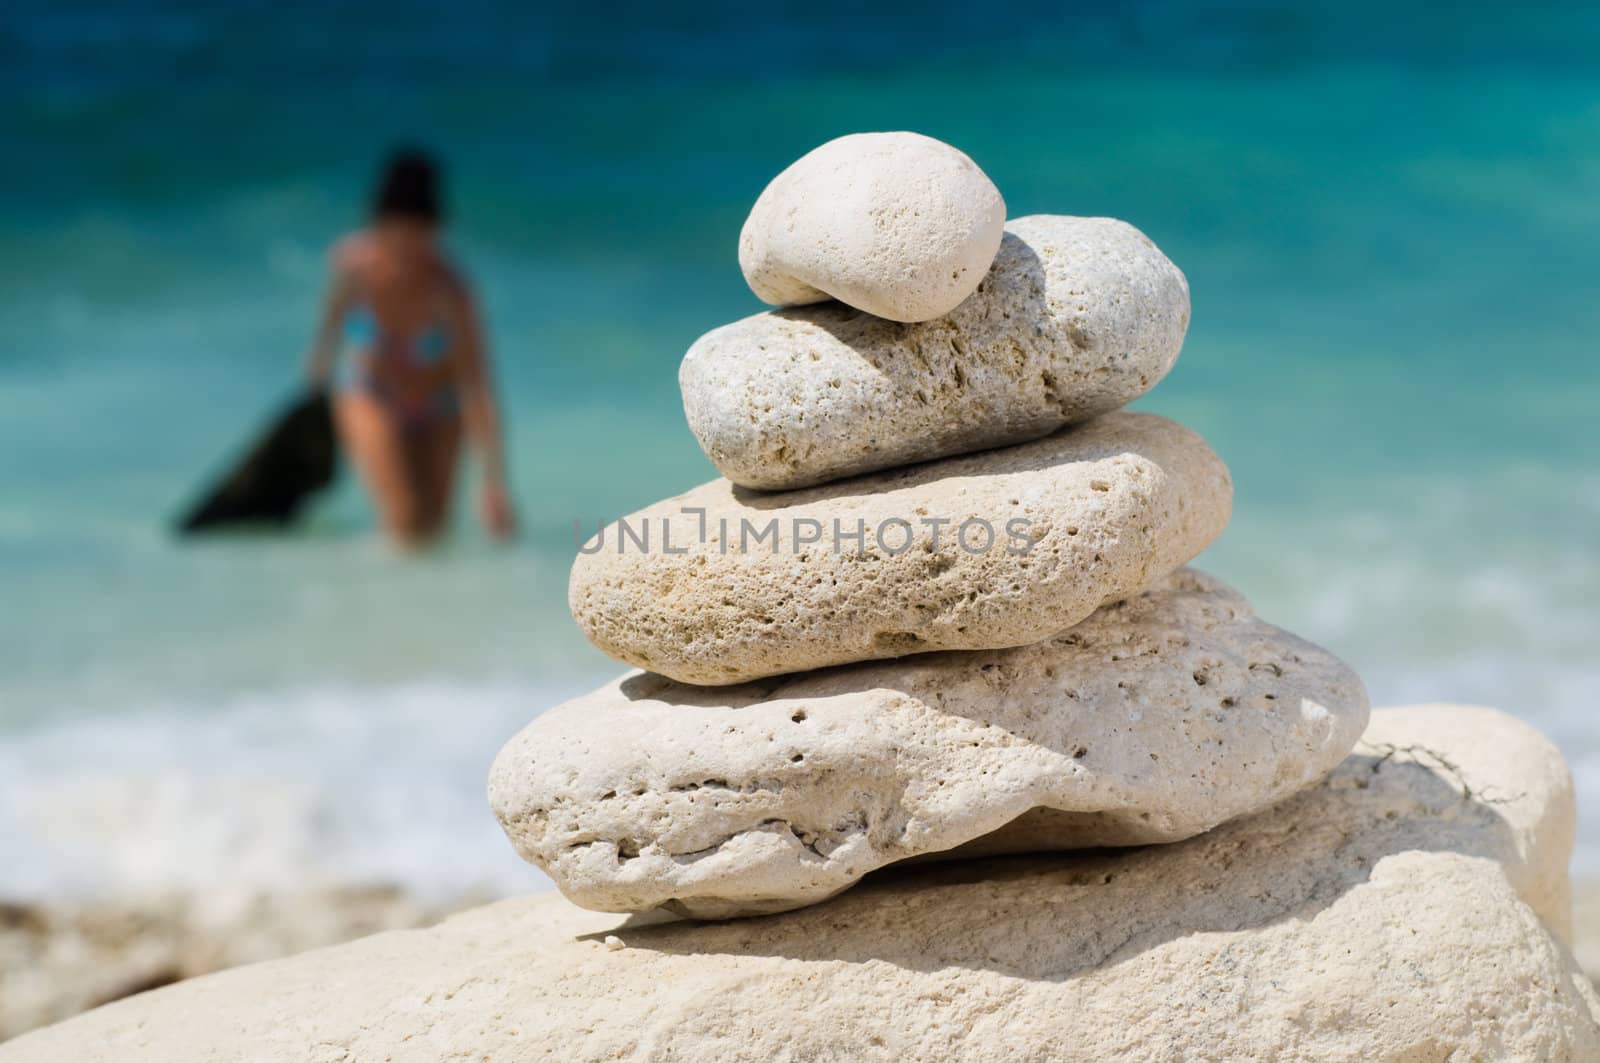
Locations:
{"points": [[1153, 720], [1109, 507], [1392, 913], [1078, 317], [897, 224], [60, 957], [1586, 934]]}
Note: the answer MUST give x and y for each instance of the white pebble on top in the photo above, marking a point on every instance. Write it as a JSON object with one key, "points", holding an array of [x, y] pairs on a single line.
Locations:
{"points": [[897, 224]]}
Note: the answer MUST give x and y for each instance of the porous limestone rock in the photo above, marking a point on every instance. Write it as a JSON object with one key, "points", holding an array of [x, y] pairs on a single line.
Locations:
{"points": [[1153, 720], [67, 954], [1078, 317], [1586, 932], [985, 551], [897, 224], [1392, 913]]}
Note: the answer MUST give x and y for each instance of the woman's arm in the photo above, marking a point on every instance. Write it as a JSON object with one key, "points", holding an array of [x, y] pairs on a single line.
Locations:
{"points": [[482, 413], [336, 303]]}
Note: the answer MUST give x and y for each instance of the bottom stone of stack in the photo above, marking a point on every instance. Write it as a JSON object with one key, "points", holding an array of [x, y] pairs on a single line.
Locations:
{"points": [[1411, 906], [1586, 932], [65, 955]]}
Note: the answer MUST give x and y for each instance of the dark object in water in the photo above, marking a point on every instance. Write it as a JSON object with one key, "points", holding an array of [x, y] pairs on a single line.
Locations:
{"points": [[295, 458]]}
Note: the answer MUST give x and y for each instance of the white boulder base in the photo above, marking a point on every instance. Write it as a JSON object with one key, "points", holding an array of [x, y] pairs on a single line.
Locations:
{"points": [[66, 954], [1078, 317], [1400, 911], [989, 550], [1153, 720], [897, 224]]}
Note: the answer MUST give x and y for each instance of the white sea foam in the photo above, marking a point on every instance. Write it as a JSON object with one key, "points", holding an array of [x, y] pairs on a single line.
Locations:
{"points": [[309, 787]]}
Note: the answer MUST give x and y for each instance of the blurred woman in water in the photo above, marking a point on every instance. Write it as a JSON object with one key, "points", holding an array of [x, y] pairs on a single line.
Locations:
{"points": [[401, 341]]}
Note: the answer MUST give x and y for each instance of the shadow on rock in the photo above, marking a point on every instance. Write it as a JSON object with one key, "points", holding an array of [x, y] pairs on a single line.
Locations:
{"points": [[1051, 917]]}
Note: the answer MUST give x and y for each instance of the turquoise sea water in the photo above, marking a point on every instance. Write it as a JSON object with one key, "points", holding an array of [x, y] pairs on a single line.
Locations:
{"points": [[1387, 216]]}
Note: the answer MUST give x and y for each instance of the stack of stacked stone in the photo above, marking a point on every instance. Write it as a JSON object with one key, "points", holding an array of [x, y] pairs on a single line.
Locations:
{"points": [[937, 604], [816, 704]]}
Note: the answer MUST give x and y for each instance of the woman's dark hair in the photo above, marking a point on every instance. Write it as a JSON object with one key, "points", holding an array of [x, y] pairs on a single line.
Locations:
{"points": [[409, 187]]}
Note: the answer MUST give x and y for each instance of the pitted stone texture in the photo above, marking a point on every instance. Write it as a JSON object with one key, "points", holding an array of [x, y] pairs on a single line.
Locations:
{"points": [[1586, 933], [1109, 507], [897, 224], [1375, 917], [1078, 317], [1153, 720]]}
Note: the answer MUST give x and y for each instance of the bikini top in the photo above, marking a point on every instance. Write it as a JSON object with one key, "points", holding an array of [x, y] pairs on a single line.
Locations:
{"points": [[427, 346]]}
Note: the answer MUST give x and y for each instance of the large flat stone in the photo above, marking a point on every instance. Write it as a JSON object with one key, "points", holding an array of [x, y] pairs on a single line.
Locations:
{"points": [[1103, 510], [1077, 317], [897, 224], [1400, 911], [1155, 719]]}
